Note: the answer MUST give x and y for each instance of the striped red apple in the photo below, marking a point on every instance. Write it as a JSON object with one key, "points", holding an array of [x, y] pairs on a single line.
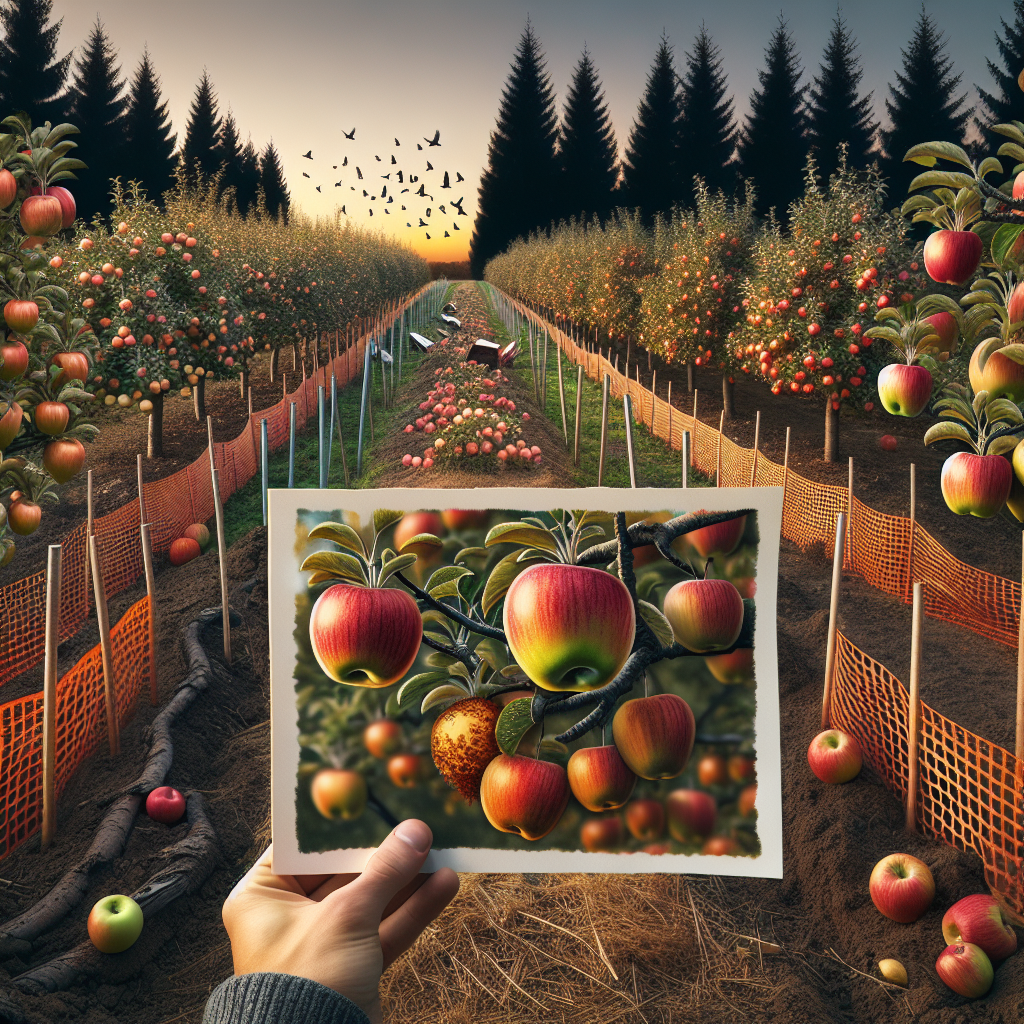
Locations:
{"points": [[965, 968], [524, 795], [705, 615], [599, 778], [691, 814], [904, 390], [981, 920], [901, 887], [835, 756], [655, 735], [645, 819], [976, 484], [952, 257]]}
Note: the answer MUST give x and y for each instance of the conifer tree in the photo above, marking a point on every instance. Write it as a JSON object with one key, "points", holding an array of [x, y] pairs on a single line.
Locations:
{"points": [[1007, 104], [97, 108], [202, 133], [31, 77], [149, 156], [835, 113], [248, 179], [707, 130], [229, 153], [587, 150], [923, 106], [518, 189], [650, 171], [275, 192], [773, 147]]}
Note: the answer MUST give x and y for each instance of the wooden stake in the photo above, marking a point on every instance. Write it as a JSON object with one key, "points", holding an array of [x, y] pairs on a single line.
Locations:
{"points": [[284, 387], [627, 406], [250, 402], [50, 695], [913, 529], [579, 412], [1019, 741], [264, 464], [88, 533], [914, 725], [654, 397], [849, 510], [718, 457], [695, 422], [561, 396], [670, 414], [605, 387], [106, 653], [833, 621], [785, 475], [142, 494], [757, 441], [544, 377], [222, 555], [147, 563], [684, 446]]}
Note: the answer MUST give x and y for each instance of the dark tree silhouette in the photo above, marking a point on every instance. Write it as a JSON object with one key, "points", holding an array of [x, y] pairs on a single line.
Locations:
{"points": [[773, 146], [229, 153], [1007, 104], [248, 179], [707, 129], [835, 112], [31, 77], [96, 106], [923, 106], [587, 150], [149, 156], [518, 189], [650, 171], [275, 193], [202, 133]]}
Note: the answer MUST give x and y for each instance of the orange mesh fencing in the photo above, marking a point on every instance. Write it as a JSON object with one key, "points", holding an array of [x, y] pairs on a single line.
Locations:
{"points": [[970, 790]]}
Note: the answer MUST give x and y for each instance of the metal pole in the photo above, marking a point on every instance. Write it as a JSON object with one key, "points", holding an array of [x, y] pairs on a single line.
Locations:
{"points": [[321, 440], [579, 414], [685, 447], [362, 410], [757, 441], [52, 626]]}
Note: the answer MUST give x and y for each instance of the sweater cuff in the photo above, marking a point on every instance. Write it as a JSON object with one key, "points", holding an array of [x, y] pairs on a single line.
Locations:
{"points": [[282, 998]]}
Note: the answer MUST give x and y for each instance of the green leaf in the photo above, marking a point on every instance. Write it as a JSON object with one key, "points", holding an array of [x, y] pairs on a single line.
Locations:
{"points": [[397, 564], [990, 165], [919, 202], [435, 659], [1001, 445], [936, 303], [513, 724], [415, 689], [501, 578], [340, 534], [1011, 131], [422, 544], [446, 574], [520, 533], [599, 518], [385, 517], [885, 334], [1014, 352], [589, 532], [926, 153], [657, 622], [433, 617], [337, 563], [932, 179], [392, 708], [493, 652], [946, 431], [1002, 409], [470, 553], [450, 692], [552, 750], [1012, 150]]}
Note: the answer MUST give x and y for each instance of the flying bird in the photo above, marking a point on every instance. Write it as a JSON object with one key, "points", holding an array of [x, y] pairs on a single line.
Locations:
{"points": [[413, 178], [377, 158], [458, 206], [458, 177], [407, 224], [402, 193], [399, 177], [371, 212], [387, 211], [347, 135], [336, 184], [318, 188], [365, 194], [406, 191], [393, 160], [441, 208], [309, 155], [360, 173], [397, 143], [386, 177], [418, 146], [343, 211], [456, 226], [335, 167], [373, 199], [304, 174], [344, 163], [427, 233], [422, 223], [384, 192], [435, 141], [391, 199], [430, 166], [446, 235], [447, 183], [428, 211]]}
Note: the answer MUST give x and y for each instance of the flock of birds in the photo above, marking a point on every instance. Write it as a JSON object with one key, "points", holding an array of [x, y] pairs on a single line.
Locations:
{"points": [[402, 177]]}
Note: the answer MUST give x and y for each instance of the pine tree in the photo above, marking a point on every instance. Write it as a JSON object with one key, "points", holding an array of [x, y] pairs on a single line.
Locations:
{"points": [[1008, 105], [97, 109], [248, 179], [923, 107], [707, 131], [773, 147], [835, 113], [229, 152], [149, 142], [650, 171], [202, 133], [31, 78], [587, 150], [518, 189], [272, 181]]}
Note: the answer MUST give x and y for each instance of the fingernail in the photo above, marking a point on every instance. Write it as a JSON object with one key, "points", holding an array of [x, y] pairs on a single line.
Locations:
{"points": [[415, 833]]}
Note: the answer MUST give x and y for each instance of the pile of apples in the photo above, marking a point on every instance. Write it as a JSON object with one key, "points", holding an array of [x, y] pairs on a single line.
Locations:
{"points": [[191, 544]]}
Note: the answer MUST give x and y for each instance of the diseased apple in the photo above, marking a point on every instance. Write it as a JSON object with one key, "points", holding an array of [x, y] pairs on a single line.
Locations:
{"points": [[601, 834], [980, 919], [599, 778], [462, 743], [904, 390], [705, 615], [835, 756], [655, 735], [691, 814], [523, 795], [965, 969], [115, 922], [976, 484], [645, 819], [901, 887], [338, 793]]}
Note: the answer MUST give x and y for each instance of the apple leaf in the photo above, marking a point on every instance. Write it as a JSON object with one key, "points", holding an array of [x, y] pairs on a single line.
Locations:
{"points": [[522, 534], [444, 578], [597, 518], [438, 638], [919, 202], [320, 577], [338, 564], [470, 553], [952, 179], [926, 153], [340, 534], [946, 431], [1013, 352], [931, 304], [657, 622], [1003, 241], [422, 544], [513, 724], [501, 578], [418, 686], [1000, 409], [1011, 131], [990, 165], [1001, 445], [393, 565], [433, 617], [385, 517], [535, 521], [449, 693], [553, 750], [493, 652], [589, 532], [438, 660], [885, 334], [509, 671], [1012, 150]]}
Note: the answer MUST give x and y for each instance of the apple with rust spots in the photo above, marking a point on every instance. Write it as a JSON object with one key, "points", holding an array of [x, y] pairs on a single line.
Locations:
{"points": [[462, 743], [976, 484], [569, 627], [691, 814], [338, 793], [901, 887], [705, 615], [952, 257], [904, 390], [981, 920], [383, 737], [523, 795], [966, 969], [601, 834], [599, 778], [655, 735], [645, 819]]}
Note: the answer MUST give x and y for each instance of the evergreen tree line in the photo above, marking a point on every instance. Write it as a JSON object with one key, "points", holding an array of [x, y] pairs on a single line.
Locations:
{"points": [[125, 126], [541, 171]]}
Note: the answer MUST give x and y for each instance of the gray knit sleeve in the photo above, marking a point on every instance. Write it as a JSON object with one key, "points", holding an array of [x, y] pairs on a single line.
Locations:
{"points": [[279, 999]]}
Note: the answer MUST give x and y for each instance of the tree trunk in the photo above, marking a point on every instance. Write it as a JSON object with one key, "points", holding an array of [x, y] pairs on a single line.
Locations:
{"points": [[689, 376], [155, 439], [273, 363], [728, 388], [243, 378], [199, 399], [831, 433]]}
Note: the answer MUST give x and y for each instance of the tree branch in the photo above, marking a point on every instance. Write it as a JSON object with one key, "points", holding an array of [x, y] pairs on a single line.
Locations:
{"points": [[993, 193], [464, 620], [466, 657]]}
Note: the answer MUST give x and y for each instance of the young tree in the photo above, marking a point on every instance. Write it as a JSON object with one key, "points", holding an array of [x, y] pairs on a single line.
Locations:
{"points": [[707, 130], [149, 142], [773, 145], [650, 171], [31, 77], [229, 150], [97, 109], [518, 189], [587, 150], [275, 192], [202, 133], [248, 179], [923, 105], [835, 113], [1008, 103]]}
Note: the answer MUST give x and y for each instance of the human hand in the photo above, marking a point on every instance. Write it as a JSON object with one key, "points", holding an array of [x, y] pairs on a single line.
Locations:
{"points": [[340, 930]]}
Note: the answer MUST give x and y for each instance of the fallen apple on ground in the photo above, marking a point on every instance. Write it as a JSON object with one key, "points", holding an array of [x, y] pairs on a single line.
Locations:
{"points": [[966, 969], [901, 887], [115, 922], [165, 804], [981, 920], [835, 756]]}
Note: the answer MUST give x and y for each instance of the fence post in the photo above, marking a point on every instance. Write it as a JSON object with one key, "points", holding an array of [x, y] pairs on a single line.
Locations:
{"points": [[561, 396], [849, 512], [627, 407], [106, 654], [604, 427], [579, 414], [833, 616], [670, 414], [654, 398], [1019, 747], [142, 495], [757, 441], [222, 557], [695, 448], [913, 529], [684, 446], [321, 447], [785, 475], [718, 456], [88, 533], [50, 694], [264, 464], [147, 563], [914, 725], [291, 444]]}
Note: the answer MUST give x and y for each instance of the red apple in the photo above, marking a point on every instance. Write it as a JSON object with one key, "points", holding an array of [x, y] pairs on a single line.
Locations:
{"points": [[720, 539], [645, 819], [414, 523], [63, 457], [901, 887], [711, 770], [904, 390], [74, 366], [952, 257], [599, 778], [199, 533], [24, 516], [741, 768], [8, 188], [887, 443], [705, 615], [978, 484], [569, 627], [465, 519], [41, 215], [165, 804], [10, 423], [735, 667], [944, 325], [51, 417], [601, 834], [720, 846], [21, 315], [655, 735], [338, 793], [13, 360], [67, 203], [748, 798], [365, 636], [183, 550], [404, 770], [691, 814], [523, 795], [1001, 377], [965, 969], [462, 743], [657, 848], [115, 922], [383, 737], [980, 920], [835, 756]]}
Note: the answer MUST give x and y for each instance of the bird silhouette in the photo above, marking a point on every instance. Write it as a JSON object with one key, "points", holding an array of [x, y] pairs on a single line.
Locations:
{"points": [[393, 160], [347, 135], [407, 224], [343, 211], [384, 192], [458, 206], [387, 211], [446, 235], [377, 158], [335, 167], [386, 177], [391, 199], [456, 226], [309, 155], [336, 184], [400, 178], [418, 146], [441, 208], [458, 178], [397, 143], [413, 178], [360, 173], [404, 190], [428, 211], [365, 193], [318, 188], [435, 141], [430, 166], [371, 212], [427, 234], [403, 207], [373, 199], [344, 163], [304, 174], [447, 183], [422, 223]]}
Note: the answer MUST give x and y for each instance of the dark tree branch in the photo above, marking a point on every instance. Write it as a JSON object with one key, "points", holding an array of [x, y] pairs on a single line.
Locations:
{"points": [[374, 804], [459, 653], [993, 193], [456, 616]]}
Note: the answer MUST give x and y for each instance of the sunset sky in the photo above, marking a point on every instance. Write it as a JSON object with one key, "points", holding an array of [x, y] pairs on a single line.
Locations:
{"points": [[302, 72]]}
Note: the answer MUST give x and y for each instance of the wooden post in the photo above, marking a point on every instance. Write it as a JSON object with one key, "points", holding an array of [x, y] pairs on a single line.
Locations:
{"points": [[757, 441], [147, 563], [291, 444], [913, 529], [833, 616], [49, 823], [561, 396], [605, 386], [849, 512], [250, 402], [627, 407], [695, 421], [579, 417], [914, 723], [222, 555], [142, 494], [321, 448], [670, 414], [654, 397], [1019, 747], [106, 652], [785, 475], [264, 464], [284, 388], [88, 533], [684, 446], [544, 377], [718, 456]]}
